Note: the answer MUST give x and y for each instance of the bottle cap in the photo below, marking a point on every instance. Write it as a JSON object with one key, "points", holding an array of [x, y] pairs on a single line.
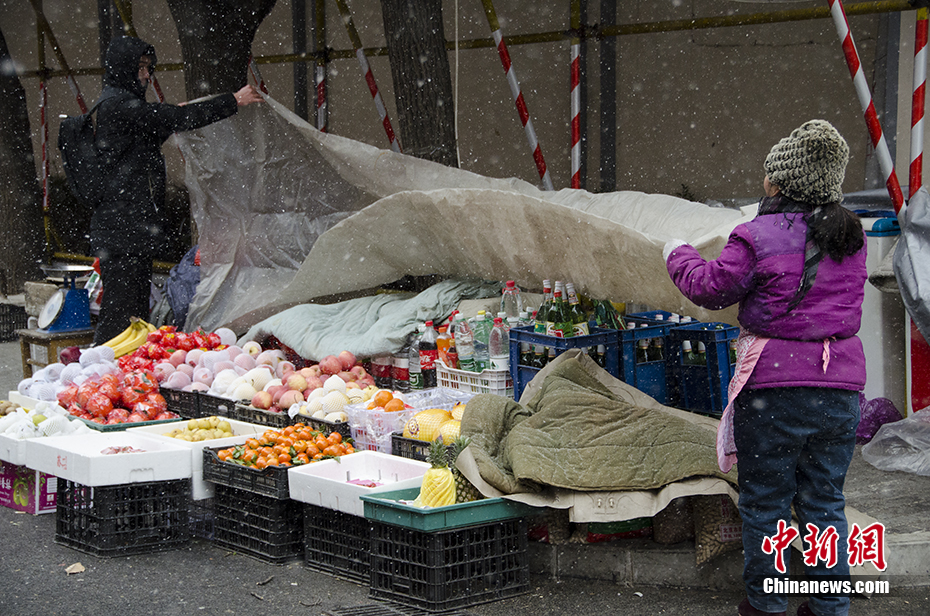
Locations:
{"points": [[498, 321], [443, 329], [511, 284], [429, 323]]}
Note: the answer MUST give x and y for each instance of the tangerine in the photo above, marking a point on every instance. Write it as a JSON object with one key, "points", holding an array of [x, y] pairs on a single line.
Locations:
{"points": [[382, 398], [394, 405]]}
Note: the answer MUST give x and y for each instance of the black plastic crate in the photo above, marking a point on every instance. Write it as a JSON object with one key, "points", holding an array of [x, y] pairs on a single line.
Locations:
{"points": [[337, 543], [270, 481], [523, 374], [445, 570], [184, 403], [413, 448], [270, 419], [214, 405], [326, 427], [126, 519], [268, 529], [12, 317], [201, 518], [703, 387]]}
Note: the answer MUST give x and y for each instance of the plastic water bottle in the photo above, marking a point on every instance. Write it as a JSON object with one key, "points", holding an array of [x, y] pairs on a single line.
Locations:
{"points": [[482, 335], [429, 353], [499, 346], [413, 366], [464, 344], [511, 301]]}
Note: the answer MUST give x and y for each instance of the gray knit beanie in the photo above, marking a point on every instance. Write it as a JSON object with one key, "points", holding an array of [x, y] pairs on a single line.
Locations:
{"points": [[809, 165]]}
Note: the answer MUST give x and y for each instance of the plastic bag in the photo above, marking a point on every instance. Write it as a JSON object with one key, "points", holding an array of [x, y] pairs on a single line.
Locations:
{"points": [[875, 413], [902, 446]]}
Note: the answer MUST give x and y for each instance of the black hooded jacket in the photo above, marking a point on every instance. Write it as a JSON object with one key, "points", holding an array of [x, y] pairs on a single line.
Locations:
{"points": [[130, 133]]}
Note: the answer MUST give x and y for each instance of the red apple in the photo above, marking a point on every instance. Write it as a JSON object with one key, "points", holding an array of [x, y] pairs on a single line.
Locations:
{"points": [[330, 365], [262, 400], [347, 359]]}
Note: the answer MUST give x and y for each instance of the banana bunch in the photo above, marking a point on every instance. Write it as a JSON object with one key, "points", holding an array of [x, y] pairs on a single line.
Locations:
{"points": [[130, 338]]}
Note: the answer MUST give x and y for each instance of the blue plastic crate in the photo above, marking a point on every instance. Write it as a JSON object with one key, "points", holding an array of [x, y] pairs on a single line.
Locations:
{"points": [[648, 317], [522, 374], [650, 377], [703, 388]]}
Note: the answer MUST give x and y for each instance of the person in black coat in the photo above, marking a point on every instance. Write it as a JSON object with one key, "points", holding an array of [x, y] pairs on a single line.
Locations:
{"points": [[127, 227]]}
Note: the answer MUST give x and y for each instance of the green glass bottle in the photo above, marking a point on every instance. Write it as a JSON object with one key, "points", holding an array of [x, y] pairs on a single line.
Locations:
{"points": [[579, 319], [558, 320], [539, 327]]}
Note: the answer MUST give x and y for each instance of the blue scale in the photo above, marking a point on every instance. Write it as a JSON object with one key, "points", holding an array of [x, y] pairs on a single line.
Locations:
{"points": [[69, 308]]}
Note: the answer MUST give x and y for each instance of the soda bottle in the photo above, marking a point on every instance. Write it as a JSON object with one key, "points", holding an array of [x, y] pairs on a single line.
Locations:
{"points": [[732, 348], [642, 350], [416, 376], [464, 344], [687, 353], [539, 356], [701, 357], [400, 368], [443, 343], [542, 314], [429, 353], [579, 319], [601, 357], [381, 369], [511, 301], [657, 349], [482, 335], [558, 321], [499, 346]]}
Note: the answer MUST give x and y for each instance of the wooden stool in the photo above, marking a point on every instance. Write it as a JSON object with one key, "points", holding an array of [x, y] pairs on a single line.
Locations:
{"points": [[40, 348]]}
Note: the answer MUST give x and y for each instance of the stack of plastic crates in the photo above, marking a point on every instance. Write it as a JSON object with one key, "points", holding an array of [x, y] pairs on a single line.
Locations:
{"points": [[126, 519], [337, 543], [448, 557], [253, 512]]}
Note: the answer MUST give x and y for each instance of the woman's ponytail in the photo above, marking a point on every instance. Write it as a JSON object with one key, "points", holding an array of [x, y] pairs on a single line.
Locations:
{"points": [[835, 230]]}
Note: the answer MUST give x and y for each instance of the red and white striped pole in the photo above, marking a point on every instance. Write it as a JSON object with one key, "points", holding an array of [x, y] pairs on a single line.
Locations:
{"points": [[885, 162], [517, 95], [915, 178], [368, 74], [321, 108], [576, 114]]}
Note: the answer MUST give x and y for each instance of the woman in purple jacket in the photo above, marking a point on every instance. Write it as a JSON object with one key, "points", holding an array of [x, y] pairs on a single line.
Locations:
{"points": [[798, 272]]}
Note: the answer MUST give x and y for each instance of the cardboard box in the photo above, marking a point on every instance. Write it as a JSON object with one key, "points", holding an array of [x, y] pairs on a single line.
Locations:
{"points": [[79, 458], [326, 484], [201, 489], [24, 489]]}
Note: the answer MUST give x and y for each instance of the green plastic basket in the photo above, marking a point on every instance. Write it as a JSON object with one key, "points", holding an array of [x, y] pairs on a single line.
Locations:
{"points": [[384, 507]]}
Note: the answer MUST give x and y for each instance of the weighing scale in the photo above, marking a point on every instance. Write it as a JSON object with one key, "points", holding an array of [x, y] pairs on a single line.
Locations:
{"points": [[69, 308]]}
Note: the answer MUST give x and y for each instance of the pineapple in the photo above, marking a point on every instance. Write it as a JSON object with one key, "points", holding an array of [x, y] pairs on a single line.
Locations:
{"points": [[465, 491], [438, 488]]}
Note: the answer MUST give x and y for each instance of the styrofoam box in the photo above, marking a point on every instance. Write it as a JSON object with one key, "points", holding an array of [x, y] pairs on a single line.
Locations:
{"points": [[78, 458], [326, 483], [12, 450], [201, 489]]}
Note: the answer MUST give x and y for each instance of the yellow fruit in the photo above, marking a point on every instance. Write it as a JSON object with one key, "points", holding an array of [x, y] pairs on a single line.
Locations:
{"points": [[458, 410], [450, 430], [425, 424]]}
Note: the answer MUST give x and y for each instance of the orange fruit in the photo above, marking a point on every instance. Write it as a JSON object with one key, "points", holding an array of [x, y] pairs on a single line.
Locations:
{"points": [[395, 404], [382, 397]]}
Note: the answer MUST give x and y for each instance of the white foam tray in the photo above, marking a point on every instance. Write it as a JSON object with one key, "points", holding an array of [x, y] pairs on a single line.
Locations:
{"points": [[325, 483], [78, 458], [12, 450], [201, 489]]}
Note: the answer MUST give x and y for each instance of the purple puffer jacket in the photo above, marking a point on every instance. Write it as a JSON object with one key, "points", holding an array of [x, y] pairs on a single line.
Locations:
{"points": [[761, 267]]}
